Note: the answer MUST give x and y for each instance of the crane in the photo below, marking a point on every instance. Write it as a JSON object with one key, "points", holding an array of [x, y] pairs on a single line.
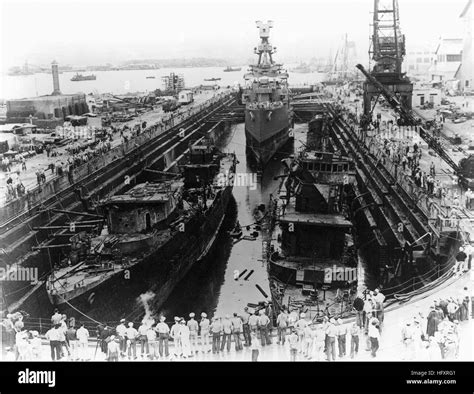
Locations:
{"points": [[386, 79], [463, 170], [387, 50]]}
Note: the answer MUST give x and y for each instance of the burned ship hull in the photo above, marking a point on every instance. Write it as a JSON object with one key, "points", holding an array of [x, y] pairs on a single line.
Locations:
{"points": [[313, 247], [159, 270]]}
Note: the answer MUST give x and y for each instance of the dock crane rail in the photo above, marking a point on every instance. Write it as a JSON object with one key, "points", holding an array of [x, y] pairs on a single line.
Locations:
{"points": [[409, 119]]}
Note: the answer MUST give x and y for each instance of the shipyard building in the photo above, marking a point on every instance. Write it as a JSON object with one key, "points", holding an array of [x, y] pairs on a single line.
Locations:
{"points": [[49, 110]]}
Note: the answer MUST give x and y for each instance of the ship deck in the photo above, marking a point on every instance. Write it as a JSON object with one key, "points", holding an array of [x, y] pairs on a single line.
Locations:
{"points": [[316, 219], [326, 302], [70, 278], [306, 263]]}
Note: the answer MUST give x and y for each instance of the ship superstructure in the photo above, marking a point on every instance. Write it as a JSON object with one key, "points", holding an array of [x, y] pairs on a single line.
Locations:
{"points": [[267, 102]]}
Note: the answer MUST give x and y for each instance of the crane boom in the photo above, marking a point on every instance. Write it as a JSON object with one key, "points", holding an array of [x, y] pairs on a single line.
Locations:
{"points": [[409, 119]]}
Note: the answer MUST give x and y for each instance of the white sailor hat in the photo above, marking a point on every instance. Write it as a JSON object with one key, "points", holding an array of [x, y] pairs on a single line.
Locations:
{"points": [[176, 318], [302, 314], [191, 314], [162, 318], [203, 314]]}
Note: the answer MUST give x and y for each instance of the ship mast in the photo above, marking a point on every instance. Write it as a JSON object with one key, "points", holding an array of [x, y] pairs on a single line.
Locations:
{"points": [[265, 49], [265, 65]]}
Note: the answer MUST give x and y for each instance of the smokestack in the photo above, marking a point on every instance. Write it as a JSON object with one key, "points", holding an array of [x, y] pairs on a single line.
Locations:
{"points": [[55, 72]]}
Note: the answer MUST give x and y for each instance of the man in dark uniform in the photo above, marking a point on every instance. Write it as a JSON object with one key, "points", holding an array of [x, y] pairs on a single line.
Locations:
{"points": [[432, 322], [359, 307], [461, 257], [245, 327]]}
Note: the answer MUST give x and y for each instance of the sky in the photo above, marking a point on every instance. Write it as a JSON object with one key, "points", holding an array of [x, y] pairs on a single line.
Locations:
{"points": [[99, 31]]}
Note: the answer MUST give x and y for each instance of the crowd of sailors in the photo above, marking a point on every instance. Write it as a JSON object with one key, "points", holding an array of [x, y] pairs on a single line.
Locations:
{"points": [[431, 337], [80, 153], [436, 336], [76, 155], [15, 187]]}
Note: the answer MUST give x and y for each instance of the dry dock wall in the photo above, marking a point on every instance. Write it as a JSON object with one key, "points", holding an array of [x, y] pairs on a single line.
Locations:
{"points": [[39, 195]]}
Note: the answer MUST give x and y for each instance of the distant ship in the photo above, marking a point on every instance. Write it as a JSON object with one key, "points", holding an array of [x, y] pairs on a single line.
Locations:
{"points": [[267, 102], [151, 77], [340, 71], [80, 77], [19, 72], [303, 68], [212, 79], [15, 71], [230, 69]]}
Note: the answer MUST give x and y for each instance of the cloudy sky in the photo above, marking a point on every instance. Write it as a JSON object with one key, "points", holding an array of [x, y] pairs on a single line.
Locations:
{"points": [[99, 31]]}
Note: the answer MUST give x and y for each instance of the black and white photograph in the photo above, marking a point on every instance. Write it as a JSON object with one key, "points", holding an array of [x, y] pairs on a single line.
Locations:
{"points": [[228, 184]]}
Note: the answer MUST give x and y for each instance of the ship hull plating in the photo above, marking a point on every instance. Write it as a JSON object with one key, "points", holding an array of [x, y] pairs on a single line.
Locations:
{"points": [[162, 269], [266, 131]]}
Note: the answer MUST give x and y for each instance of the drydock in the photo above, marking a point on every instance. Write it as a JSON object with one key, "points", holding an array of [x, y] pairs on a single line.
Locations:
{"points": [[402, 241], [35, 228]]}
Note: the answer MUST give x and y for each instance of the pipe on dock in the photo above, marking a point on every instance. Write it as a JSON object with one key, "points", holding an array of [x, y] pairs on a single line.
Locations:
{"points": [[63, 227], [261, 291], [50, 246], [248, 275]]}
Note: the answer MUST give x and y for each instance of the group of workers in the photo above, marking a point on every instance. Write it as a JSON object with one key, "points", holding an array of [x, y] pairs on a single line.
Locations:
{"points": [[437, 336]]}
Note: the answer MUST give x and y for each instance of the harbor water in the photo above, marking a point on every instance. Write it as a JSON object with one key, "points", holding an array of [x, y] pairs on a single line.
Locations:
{"points": [[129, 81]]}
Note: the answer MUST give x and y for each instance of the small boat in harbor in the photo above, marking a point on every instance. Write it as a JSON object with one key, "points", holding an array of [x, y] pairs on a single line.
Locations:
{"points": [[231, 69], [80, 77], [302, 68], [212, 79]]}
